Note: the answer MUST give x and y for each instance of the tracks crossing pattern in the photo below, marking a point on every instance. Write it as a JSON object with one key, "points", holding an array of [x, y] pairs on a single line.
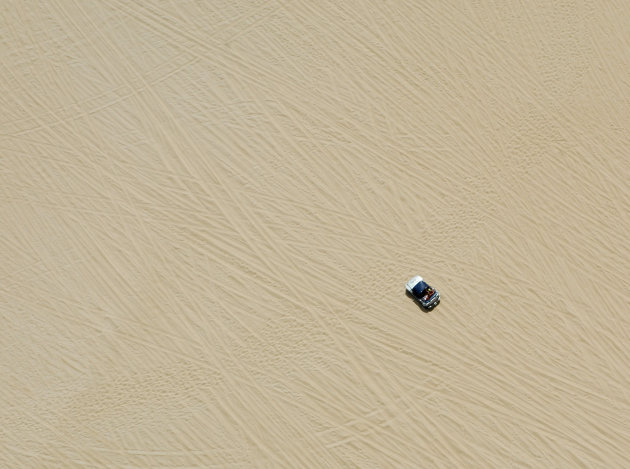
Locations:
{"points": [[209, 210]]}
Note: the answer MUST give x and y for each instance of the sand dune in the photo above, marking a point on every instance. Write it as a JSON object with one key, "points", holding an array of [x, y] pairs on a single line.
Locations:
{"points": [[210, 210]]}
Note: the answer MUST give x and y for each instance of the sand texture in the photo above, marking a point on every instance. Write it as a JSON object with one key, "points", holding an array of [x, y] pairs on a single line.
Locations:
{"points": [[209, 211]]}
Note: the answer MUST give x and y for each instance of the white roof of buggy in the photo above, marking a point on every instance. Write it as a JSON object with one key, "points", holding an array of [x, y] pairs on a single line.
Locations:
{"points": [[413, 282]]}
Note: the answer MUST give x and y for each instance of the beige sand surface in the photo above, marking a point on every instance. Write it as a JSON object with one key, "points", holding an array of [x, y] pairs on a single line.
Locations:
{"points": [[209, 210]]}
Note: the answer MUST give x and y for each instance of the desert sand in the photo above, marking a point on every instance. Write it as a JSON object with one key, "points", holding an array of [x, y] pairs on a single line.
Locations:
{"points": [[209, 211]]}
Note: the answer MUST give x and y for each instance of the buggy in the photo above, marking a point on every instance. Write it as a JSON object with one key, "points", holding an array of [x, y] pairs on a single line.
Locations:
{"points": [[423, 293]]}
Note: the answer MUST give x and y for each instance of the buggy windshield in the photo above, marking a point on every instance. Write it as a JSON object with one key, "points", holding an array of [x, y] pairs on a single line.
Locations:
{"points": [[420, 289]]}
